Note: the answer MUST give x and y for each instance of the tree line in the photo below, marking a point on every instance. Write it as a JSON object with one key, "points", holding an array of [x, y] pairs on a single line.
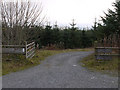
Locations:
{"points": [[70, 37], [22, 23]]}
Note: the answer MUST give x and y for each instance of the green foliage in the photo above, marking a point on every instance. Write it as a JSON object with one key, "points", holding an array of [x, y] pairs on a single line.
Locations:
{"points": [[72, 37], [62, 38], [110, 23]]}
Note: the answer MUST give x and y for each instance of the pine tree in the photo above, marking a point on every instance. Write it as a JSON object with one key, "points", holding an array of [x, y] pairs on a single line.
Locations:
{"points": [[56, 34], [73, 24], [111, 21], [72, 34], [48, 35]]}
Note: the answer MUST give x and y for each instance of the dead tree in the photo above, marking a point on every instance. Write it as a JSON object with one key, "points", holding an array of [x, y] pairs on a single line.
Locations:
{"points": [[16, 16]]}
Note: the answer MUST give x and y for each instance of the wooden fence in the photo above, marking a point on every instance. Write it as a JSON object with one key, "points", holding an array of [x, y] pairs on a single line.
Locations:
{"points": [[13, 49], [108, 47], [106, 53], [28, 49]]}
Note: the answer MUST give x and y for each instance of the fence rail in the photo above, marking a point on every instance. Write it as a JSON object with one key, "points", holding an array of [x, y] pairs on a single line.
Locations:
{"points": [[13, 46], [28, 49], [106, 53]]}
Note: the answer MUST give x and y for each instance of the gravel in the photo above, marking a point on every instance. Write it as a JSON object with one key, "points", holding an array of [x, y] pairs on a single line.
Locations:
{"points": [[60, 71]]}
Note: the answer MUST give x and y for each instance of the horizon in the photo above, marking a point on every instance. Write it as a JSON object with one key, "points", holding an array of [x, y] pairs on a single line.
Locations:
{"points": [[83, 12], [83, 15]]}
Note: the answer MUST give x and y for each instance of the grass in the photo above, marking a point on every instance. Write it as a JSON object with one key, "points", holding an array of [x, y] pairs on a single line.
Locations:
{"points": [[108, 67], [13, 63]]}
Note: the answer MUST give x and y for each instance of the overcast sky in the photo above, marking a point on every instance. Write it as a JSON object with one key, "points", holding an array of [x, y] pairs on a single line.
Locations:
{"points": [[83, 11]]}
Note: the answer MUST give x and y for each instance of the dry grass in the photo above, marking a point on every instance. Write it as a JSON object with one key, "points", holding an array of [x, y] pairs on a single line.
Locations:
{"points": [[13, 63], [103, 66]]}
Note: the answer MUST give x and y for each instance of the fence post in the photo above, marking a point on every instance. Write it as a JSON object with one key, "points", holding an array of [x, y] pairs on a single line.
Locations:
{"points": [[95, 44], [26, 49]]}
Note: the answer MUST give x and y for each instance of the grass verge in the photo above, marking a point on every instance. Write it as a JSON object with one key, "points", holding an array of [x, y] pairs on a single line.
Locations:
{"points": [[13, 63], [109, 67]]}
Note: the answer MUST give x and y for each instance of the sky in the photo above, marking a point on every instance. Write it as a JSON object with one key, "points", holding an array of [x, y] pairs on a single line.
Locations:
{"points": [[83, 11]]}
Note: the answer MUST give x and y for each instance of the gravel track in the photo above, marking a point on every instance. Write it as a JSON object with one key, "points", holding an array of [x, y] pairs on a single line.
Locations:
{"points": [[60, 71]]}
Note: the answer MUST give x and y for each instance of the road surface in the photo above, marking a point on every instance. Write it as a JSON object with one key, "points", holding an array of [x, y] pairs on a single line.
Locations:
{"points": [[60, 71]]}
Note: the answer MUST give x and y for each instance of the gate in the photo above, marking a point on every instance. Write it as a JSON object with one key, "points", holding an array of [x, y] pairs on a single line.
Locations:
{"points": [[28, 49]]}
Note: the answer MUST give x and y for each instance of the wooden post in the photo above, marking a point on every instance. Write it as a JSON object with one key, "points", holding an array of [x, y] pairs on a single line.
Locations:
{"points": [[26, 49], [37, 46], [95, 44]]}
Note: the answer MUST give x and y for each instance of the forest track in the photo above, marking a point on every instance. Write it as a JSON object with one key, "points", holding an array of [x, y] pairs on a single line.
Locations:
{"points": [[60, 71]]}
